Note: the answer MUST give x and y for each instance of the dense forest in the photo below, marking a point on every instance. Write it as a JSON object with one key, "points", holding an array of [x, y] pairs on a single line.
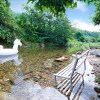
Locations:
{"points": [[34, 26]]}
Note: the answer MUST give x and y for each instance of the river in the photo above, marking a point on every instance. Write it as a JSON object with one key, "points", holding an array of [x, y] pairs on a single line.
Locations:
{"points": [[24, 76], [29, 63]]}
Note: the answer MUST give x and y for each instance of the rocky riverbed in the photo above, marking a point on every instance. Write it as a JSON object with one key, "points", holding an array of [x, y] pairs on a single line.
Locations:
{"points": [[28, 82], [94, 60], [37, 65], [28, 90]]}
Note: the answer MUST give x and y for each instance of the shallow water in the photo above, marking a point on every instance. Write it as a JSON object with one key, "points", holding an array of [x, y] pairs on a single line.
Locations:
{"points": [[18, 72], [28, 64]]}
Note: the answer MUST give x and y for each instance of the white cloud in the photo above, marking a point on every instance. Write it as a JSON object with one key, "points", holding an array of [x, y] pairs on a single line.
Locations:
{"points": [[85, 26], [81, 6]]}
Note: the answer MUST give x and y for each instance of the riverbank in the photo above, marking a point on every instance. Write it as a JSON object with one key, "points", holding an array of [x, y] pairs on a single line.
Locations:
{"points": [[26, 89], [94, 60], [38, 66]]}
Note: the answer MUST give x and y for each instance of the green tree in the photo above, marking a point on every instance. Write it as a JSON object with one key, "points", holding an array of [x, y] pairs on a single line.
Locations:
{"points": [[79, 36], [96, 17], [96, 3], [7, 3], [8, 26], [58, 7], [44, 27]]}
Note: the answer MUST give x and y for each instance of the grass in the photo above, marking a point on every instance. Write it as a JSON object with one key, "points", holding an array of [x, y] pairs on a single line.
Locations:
{"points": [[80, 46]]}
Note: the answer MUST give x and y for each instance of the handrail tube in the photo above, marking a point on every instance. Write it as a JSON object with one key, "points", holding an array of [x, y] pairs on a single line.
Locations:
{"points": [[85, 53], [73, 73]]}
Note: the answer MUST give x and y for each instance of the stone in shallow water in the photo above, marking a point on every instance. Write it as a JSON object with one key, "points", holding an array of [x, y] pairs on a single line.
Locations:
{"points": [[97, 88], [48, 63], [48, 93], [96, 52], [27, 90], [2, 95], [98, 95]]}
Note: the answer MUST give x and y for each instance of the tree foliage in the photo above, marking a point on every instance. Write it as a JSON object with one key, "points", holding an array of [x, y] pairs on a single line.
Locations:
{"points": [[96, 18], [44, 28], [79, 36], [58, 7], [86, 36], [8, 27], [39, 27]]}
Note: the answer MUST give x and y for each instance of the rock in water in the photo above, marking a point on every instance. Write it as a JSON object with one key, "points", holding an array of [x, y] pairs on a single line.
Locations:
{"points": [[49, 93], [2, 95], [61, 59], [98, 95], [48, 63], [97, 88], [27, 90], [96, 52]]}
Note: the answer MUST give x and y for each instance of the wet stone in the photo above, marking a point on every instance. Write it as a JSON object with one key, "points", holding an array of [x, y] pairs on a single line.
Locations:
{"points": [[61, 59], [92, 72], [27, 90], [2, 95], [87, 74], [37, 78], [1, 81], [48, 63], [98, 95], [93, 98], [96, 52], [97, 88]]}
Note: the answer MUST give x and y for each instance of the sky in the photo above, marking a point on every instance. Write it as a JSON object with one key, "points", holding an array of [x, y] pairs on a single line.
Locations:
{"points": [[80, 17]]}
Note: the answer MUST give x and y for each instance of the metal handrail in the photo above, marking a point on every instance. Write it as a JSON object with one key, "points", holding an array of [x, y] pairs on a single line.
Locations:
{"points": [[74, 68]]}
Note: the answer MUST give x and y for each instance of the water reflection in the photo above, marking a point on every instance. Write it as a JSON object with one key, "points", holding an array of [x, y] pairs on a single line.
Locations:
{"points": [[16, 60]]}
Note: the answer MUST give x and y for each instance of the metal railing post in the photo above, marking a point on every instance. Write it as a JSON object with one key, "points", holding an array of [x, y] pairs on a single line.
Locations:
{"points": [[55, 80], [71, 84]]}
